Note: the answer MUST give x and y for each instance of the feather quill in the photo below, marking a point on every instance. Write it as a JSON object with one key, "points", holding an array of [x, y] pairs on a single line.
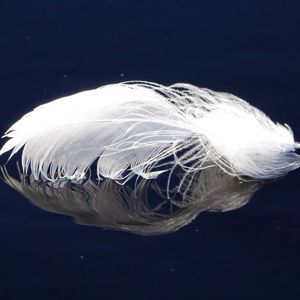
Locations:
{"points": [[133, 128]]}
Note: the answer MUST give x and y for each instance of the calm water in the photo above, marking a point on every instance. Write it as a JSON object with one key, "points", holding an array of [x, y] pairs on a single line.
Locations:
{"points": [[250, 48]]}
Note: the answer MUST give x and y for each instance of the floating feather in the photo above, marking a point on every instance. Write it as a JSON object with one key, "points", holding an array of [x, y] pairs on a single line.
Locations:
{"points": [[145, 129]]}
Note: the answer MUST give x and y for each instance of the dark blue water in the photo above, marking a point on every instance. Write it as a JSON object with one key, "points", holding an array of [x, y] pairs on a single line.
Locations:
{"points": [[49, 49]]}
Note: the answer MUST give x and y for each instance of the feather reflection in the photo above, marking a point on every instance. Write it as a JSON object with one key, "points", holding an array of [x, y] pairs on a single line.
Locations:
{"points": [[144, 207]]}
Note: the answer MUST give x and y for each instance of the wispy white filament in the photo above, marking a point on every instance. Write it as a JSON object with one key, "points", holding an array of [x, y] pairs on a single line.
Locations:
{"points": [[133, 127]]}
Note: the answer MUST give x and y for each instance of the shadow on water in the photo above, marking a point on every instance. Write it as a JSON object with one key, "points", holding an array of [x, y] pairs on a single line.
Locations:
{"points": [[144, 207]]}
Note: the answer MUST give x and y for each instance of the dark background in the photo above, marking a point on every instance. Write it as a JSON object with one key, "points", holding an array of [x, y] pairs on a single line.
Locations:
{"points": [[49, 49]]}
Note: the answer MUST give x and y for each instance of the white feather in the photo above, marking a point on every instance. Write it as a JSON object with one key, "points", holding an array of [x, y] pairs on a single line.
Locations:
{"points": [[132, 127]]}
